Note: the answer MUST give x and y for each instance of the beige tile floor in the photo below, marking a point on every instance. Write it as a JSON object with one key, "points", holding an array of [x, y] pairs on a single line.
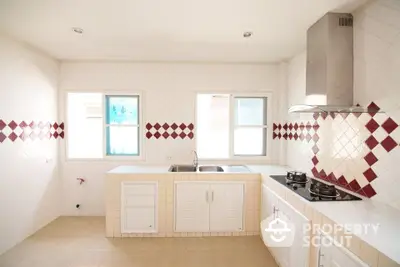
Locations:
{"points": [[80, 242]]}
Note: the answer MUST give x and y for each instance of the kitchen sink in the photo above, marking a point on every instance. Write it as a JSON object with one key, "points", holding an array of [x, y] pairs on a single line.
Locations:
{"points": [[210, 169], [182, 168], [191, 168]]}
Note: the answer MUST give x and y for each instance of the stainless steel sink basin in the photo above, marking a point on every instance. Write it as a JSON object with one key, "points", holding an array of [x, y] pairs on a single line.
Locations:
{"points": [[182, 168], [210, 169]]}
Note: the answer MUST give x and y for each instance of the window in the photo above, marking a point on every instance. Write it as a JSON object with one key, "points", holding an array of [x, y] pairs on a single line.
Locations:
{"points": [[231, 126], [102, 125]]}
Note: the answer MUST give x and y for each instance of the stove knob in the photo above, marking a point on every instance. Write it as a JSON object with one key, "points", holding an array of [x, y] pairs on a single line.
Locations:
{"points": [[295, 187]]}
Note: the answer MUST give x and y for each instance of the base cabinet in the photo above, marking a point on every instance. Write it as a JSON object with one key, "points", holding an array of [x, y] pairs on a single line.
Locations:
{"points": [[209, 206], [138, 207]]}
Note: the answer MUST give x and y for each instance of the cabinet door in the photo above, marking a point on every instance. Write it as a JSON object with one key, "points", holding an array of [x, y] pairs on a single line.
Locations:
{"points": [[138, 219], [226, 208], [192, 207], [337, 256]]}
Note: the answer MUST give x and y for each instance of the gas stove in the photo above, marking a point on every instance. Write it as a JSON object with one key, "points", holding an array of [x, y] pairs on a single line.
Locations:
{"points": [[312, 189]]}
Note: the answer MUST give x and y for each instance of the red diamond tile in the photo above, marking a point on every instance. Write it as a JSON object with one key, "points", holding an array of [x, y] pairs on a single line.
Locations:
{"points": [[302, 126], [342, 181], [55, 135], [332, 178], [372, 125], [165, 126], [191, 126], [369, 191], [2, 137], [12, 137], [290, 136], [324, 115], [55, 125], [285, 136], [174, 135], [2, 125], [370, 159], [23, 125], [308, 137], [315, 160], [148, 126], [61, 126], [301, 137], [315, 126], [12, 125], [316, 116], [389, 125], [190, 135], [157, 135], [315, 172], [373, 109], [296, 126], [354, 185], [344, 115], [61, 135], [157, 126], [315, 138], [183, 127], [322, 174], [32, 125], [371, 142], [165, 135], [279, 126], [315, 149], [290, 126], [23, 136], [182, 135], [356, 114], [295, 136], [174, 126], [308, 126], [332, 114], [274, 135], [285, 126], [148, 135], [370, 175], [274, 126], [388, 144], [279, 135]]}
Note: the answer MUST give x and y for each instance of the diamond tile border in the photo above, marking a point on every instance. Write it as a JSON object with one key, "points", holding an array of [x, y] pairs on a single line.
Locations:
{"points": [[169, 130], [30, 130], [381, 137]]}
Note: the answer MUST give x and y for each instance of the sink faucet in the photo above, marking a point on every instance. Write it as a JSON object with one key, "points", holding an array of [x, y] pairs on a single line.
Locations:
{"points": [[195, 159]]}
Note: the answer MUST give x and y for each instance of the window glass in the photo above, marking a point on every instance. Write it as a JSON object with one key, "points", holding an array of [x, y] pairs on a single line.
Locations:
{"points": [[250, 111], [249, 141], [123, 140], [122, 110]]}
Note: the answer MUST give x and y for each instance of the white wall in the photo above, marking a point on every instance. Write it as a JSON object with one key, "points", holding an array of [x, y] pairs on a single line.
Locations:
{"points": [[29, 186], [376, 79], [169, 92]]}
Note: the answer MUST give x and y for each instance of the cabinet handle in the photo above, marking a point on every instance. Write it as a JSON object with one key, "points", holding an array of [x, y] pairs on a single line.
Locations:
{"points": [[212, 196]]}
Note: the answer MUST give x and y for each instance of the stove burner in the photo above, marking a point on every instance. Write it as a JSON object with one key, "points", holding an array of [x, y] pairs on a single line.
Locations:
{"points": [[323, 190], [296, 177]]}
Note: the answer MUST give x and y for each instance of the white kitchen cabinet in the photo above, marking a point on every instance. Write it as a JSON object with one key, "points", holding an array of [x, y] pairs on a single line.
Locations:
{"points": [[192, 207], [138, 207], [332, 254], [226, 207], [297, 255], [209, 206]]}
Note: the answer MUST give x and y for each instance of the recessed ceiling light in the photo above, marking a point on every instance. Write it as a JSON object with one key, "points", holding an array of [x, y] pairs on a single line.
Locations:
{"points": [[247, 34], [77, 30]]}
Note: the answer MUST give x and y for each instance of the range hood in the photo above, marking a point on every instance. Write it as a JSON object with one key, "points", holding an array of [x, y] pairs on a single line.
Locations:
{"points": [[329, 73]]}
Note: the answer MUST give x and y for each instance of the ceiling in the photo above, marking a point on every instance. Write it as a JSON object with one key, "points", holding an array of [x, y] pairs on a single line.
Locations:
{"points": [[173, 30]]}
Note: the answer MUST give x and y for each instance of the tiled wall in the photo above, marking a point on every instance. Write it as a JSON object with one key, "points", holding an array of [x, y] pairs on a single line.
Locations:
{"points": [[33, 130], [357, 151], [171, 130], [165, 204]]}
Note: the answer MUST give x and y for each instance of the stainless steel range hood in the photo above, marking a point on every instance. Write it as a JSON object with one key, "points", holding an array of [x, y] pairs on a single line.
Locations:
{"points": [[329, 73]]}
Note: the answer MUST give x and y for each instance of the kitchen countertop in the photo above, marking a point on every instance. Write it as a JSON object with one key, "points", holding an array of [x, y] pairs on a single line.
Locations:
{"points": [[367, 211], [137, 169]]}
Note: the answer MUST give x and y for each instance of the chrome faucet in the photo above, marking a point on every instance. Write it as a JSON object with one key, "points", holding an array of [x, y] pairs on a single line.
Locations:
{"points": [[195, 159]]}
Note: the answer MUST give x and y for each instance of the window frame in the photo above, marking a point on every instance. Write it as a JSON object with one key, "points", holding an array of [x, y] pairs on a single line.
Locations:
{"points": [[232, 126], [105, 157]]}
